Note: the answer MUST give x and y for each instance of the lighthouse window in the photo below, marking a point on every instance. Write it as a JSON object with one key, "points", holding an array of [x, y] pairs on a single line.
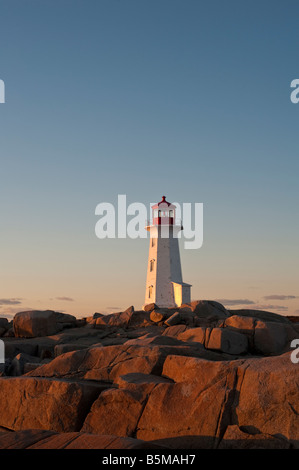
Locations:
{"points": [[159, 213], [171, 213], [150, 291], [153, 241], [152, 265]]}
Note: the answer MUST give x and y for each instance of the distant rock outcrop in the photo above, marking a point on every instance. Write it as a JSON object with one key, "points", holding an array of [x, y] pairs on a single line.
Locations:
{"points": [[40, 323]]}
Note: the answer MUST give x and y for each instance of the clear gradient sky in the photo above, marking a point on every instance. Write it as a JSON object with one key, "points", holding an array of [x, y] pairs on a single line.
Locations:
{"points": [[188, 99]]}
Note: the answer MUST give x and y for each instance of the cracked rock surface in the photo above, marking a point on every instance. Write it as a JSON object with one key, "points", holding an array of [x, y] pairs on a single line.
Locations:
{"points": [[216, 379]]}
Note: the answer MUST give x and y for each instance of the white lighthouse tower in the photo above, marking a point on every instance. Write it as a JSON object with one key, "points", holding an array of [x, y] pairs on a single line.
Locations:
{"points": [[164, 283]]}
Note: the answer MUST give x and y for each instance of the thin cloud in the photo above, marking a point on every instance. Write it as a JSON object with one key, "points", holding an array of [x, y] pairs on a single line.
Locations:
{"points": [[10, 312], [13, 301], [281, 308], [230, 302], [67, 299], [280, 297], [113, 308]]}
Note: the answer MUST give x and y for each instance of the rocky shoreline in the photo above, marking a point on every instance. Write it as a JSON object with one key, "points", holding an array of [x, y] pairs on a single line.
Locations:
{"points": [[195, 377]]}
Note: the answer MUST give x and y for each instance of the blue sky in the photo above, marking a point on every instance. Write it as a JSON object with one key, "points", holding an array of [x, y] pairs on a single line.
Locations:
{"points": [[190, 99]]}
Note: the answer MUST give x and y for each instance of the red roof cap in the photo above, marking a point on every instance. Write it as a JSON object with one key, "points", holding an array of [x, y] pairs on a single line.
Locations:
{"points": [[163, 202]]}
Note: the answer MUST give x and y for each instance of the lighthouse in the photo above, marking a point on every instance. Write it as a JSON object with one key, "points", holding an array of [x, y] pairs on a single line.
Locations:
{"points": [[164, 283]]}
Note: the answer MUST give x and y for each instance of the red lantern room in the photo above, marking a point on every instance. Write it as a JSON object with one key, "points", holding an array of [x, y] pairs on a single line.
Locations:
{"points": [[163, 213]]}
